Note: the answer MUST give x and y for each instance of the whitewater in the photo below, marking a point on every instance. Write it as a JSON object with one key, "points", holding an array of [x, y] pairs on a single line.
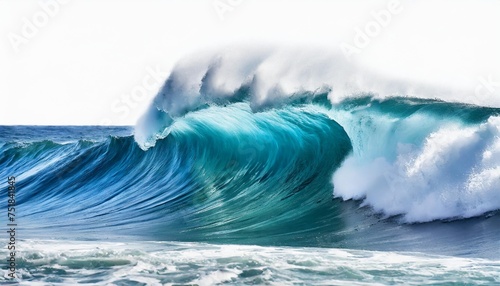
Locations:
{"points": [[265, 167]]}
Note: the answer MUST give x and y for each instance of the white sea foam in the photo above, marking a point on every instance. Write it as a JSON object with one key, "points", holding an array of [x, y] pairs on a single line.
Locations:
{"points": [[453, 173], [169, 263]]}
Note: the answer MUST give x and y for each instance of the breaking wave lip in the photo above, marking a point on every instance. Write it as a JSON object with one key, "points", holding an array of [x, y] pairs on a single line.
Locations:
{"points": [[269, 78], [423, 159]]}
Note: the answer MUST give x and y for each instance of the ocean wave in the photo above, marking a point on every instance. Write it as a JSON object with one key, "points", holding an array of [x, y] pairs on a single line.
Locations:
{"points": [[242, 160], [425, 159], [220, 171]]}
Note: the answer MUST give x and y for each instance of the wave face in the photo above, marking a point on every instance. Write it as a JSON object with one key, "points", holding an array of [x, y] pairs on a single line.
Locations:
{"points": [[220, 172]]}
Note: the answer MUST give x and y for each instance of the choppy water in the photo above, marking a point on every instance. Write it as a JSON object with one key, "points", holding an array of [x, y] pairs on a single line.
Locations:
{"points": [[177, 263]]}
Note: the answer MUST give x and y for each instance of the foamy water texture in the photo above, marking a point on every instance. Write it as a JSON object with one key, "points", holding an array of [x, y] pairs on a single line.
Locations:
{"points": [[174, 263], [427, 164]]}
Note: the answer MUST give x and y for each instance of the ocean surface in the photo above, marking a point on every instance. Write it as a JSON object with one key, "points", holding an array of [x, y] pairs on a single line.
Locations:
{"points": [[257, 168], [366, 191]]}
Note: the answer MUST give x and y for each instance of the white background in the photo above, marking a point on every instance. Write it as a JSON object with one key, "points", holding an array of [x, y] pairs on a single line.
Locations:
{"points": [[81, 65]]}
